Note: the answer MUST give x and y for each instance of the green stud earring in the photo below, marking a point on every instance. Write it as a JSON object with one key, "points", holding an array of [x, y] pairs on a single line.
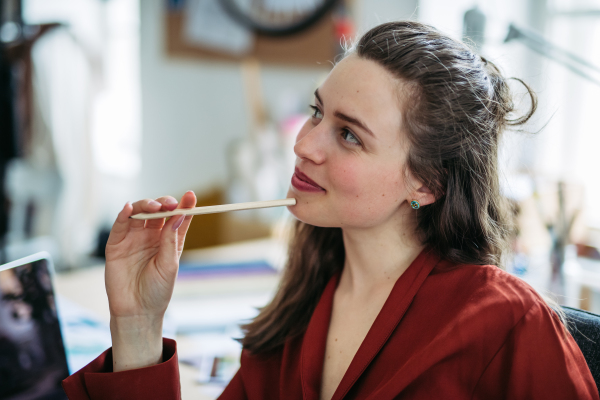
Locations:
{"points": [[415, 205]]}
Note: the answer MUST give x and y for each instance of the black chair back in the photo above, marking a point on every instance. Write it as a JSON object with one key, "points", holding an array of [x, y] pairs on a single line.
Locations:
{"points": [[585, 328]]}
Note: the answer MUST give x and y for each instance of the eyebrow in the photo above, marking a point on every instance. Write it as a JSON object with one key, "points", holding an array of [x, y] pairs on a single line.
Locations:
{"points": [[347, 118]]}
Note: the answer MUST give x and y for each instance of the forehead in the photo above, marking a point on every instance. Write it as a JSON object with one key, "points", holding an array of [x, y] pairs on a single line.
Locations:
{"points": [[364, 89]]}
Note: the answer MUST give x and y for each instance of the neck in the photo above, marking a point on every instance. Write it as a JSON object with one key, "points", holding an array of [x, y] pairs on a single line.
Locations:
{"points": [[377, 256]]}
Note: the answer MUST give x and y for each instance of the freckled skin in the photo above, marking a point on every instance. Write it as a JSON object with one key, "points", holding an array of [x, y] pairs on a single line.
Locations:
{"points": [[364, 185]]}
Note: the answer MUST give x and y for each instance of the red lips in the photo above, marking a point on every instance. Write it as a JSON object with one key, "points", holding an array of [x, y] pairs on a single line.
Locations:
{"points": [[302, 182]]}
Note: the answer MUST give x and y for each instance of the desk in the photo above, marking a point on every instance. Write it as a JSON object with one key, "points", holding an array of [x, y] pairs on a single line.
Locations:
{"points": [[85, 287]]}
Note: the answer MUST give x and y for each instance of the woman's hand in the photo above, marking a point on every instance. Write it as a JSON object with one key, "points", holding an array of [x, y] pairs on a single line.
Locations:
{"points": [[142, 259]]}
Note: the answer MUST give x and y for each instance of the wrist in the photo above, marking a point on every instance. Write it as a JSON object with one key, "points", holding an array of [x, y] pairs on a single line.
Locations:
{"points": [[137, 341]]}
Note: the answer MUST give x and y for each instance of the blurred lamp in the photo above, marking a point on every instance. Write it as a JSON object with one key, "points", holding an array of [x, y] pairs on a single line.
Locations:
{"points": [[474, 24], [474, 27], [547, 49]]}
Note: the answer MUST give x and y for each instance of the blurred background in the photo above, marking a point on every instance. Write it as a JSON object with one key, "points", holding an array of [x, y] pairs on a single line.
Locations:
{"points": [[108, 101]]}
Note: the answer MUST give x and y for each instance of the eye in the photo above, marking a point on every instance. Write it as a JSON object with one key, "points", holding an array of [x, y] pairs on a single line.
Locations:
{"points": [[316, 112], [350, 138]]}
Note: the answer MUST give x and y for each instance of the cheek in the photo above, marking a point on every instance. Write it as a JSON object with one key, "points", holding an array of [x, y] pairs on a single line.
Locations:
{"points": [[353, 178], [368, 192], [347, 178]]}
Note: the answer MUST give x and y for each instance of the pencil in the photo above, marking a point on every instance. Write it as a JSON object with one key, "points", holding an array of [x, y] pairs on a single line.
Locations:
{"points": [[217, 209]]}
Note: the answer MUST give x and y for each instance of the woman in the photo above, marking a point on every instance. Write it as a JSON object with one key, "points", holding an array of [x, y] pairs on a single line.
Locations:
{"points": [[390, 289]]}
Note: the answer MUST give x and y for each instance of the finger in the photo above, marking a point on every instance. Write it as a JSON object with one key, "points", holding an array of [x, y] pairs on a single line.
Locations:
{"points": [[171, 240], [168, 203], [121, 226], [168, 256], [182, 232], [187, 201], [143, 206]]}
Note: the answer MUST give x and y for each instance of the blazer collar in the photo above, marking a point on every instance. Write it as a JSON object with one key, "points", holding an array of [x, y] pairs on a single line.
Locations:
{"points": [[394, 308]]}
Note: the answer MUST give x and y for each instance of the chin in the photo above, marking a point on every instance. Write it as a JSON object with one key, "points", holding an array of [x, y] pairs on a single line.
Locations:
{"points": [[310, 211], [299, 209]]}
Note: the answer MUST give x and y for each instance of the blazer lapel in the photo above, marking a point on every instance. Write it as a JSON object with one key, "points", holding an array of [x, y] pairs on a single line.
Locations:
{"points": [[402, 294], [314, 342]]}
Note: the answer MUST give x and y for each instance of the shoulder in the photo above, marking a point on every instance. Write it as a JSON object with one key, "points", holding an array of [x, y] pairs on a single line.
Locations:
{"points": [[487, 291]]}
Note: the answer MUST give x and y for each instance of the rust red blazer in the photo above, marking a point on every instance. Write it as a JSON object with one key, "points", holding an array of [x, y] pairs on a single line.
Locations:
{"points": [[446, 331]]}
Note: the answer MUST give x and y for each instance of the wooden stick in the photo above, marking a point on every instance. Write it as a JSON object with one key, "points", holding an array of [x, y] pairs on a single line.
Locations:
{"points": [[217, 209]]}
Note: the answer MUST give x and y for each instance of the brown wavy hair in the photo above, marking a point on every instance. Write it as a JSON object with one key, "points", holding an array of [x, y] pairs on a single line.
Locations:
{"points": [[457, 104]]}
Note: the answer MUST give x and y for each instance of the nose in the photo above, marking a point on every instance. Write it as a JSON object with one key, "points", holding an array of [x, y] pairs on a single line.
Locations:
{"points": [[310, 143]]}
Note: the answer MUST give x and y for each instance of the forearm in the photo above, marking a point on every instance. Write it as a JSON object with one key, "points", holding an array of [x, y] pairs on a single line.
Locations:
{"points": [[137, 342]]}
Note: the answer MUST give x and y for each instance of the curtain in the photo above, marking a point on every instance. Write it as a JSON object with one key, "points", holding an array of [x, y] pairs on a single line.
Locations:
{"points": [[65, 83]]}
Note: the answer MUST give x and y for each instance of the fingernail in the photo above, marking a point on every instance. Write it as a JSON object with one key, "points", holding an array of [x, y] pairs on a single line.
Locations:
{"points": [[154, 203], [177, 224], [170, 200]]}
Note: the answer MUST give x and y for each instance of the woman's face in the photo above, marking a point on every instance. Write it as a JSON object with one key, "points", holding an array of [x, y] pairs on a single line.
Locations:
{"points": [[352, 152]]}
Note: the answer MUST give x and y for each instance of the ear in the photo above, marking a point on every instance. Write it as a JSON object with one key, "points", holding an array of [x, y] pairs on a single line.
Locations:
{"points": [[423, 195]]}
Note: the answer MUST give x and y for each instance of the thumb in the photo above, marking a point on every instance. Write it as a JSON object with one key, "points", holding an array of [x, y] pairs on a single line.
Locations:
{"points": [[168, 254], [121, 226]]}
